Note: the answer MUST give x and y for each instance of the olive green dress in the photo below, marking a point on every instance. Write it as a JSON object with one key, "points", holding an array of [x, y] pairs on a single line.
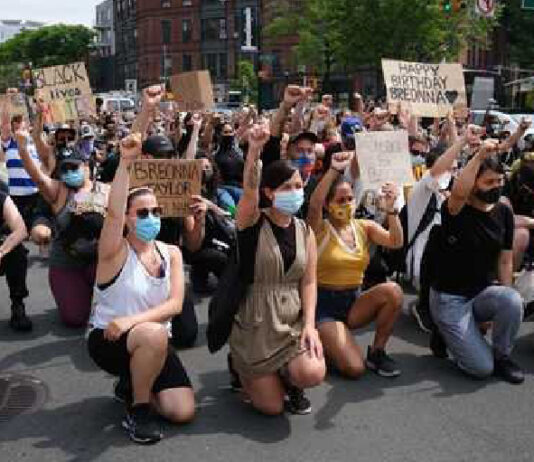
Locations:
{"points": [[268, 325]]}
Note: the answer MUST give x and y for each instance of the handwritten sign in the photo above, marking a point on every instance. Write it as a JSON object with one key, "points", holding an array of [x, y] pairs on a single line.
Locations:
{"points": [[193, 91], [67, 90], [383, 157], [428, 90], [15, 104], [173, 182]]}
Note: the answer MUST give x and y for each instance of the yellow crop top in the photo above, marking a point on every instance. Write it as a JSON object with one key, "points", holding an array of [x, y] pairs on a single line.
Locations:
{"points": [[337, 264]]}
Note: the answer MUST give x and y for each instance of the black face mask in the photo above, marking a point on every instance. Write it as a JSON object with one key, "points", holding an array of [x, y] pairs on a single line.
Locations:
{"points": [[227, 141], [491, 196]]}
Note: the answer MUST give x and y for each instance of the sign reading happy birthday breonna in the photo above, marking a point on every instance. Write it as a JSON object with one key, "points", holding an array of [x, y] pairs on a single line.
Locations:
{"points": [[428, 90]]}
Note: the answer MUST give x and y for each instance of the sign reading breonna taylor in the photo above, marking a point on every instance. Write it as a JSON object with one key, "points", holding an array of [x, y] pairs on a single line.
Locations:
{"points": [[428, 90]]}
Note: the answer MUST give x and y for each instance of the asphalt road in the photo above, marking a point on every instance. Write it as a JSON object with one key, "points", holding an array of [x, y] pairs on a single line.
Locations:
{"points": [[430, 413]]}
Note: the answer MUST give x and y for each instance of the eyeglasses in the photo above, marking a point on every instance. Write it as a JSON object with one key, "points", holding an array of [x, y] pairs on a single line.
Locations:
{"points": [[154, 211]]}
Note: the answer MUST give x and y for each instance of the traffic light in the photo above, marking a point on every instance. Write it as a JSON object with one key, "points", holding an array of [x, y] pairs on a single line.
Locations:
{"points": [[446, 6]]}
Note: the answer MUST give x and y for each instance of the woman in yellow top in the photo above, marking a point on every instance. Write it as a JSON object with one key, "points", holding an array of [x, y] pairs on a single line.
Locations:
{"points": [[343, 256]]}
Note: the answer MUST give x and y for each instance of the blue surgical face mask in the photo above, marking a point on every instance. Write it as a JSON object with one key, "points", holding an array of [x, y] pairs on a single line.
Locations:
{"points": [[147, 229], [289, 202], [304, 164], [73, 178]]}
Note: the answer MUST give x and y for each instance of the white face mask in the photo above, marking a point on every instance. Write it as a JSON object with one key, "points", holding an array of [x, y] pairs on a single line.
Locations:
{"points": [[444, 180]]}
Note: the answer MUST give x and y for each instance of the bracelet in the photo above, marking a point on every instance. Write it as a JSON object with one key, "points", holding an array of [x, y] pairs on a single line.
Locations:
{"points": [[394, 213]]}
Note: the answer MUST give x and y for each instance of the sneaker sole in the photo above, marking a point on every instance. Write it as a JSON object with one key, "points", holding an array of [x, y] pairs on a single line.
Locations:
{"points": [[131, 435], [293, 411], [372, 367], [420, 322]]}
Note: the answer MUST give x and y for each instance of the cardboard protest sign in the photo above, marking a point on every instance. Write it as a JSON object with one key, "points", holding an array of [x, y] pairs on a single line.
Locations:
{"points": [[67, 90], [193, 91], [428, 90], [15, 104], [173, 181], [384, 157], [483, 91]]}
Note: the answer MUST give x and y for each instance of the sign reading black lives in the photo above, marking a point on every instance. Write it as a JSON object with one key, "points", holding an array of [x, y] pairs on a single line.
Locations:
{"points": [[173, 182], [67, 91], [428, 90]]}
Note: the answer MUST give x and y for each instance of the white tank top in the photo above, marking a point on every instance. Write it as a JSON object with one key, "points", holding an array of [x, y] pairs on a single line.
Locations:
{"points": [[134, 291]]}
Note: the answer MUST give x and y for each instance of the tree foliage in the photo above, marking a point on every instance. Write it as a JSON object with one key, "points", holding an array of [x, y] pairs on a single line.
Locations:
{"points": [[519, 26], [48, 46], [361, 32], [246, 80]]}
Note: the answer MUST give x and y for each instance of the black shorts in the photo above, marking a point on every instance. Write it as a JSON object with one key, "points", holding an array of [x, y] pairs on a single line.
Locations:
{"points": [[114, 358], [34, 210]]}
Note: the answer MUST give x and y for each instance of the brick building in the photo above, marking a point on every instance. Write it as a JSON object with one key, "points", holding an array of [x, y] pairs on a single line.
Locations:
{"points": [[158, 38]]}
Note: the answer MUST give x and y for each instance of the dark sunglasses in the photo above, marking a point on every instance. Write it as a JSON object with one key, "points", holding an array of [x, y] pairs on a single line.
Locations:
{"points": [[69, 167], [154, 211]]}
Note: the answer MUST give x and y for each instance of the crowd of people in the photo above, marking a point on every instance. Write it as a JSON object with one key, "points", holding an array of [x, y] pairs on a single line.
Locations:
{"points": [[283, 204]]}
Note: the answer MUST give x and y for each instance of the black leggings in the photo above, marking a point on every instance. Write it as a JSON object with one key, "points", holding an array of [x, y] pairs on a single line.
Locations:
{"points": [[207, 261], [185, 325], [15, 268]]}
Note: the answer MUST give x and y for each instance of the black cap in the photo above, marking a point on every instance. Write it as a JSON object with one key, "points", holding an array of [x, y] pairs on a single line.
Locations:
{"points": [[71, 155], [310, 136], [65, 128], [158, 146]]}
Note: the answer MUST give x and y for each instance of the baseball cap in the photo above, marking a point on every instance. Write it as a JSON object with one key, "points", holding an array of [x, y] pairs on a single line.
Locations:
{"points": [[310, 136], [65, 128], [86, 131], [158, 146], [71, 155], [350, 126]]}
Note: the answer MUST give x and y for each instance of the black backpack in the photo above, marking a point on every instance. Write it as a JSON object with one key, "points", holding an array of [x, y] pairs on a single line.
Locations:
{"points": [[396, 258]]}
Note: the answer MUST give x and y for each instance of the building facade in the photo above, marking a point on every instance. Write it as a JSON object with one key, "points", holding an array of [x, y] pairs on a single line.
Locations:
{"points": [[158, 38], [9, 28]]}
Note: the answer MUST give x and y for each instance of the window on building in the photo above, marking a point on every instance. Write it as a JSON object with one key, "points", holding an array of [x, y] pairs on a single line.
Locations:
{"points": [[187, 63], [187, 2], [211, 28], [165, 3], [166, 31], [186, 30], [223, 34], [223, 65]]}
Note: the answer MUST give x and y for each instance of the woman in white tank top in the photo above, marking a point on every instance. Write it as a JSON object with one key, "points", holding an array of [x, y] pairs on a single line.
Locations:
{"points": [[140, 287]]}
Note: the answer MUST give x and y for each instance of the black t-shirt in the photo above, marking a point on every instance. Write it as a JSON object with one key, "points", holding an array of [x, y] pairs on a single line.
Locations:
{"points": [[248, 243], [469, 248]]}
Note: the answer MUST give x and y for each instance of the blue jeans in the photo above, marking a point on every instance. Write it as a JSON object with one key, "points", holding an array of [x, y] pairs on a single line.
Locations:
{"points": [[457, 318], [229, 196]]}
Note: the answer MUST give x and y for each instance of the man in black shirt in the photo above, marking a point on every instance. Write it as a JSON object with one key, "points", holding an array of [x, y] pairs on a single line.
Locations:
{"points": [[473, 277]]}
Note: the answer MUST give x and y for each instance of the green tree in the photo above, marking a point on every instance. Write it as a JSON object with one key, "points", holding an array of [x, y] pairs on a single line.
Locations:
{"points": [[344, 34], [246, 81], [519, 26], [48, 46]]}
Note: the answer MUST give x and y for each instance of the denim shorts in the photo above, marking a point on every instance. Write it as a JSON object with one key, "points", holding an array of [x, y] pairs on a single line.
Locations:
{"points": [[334, 305]]}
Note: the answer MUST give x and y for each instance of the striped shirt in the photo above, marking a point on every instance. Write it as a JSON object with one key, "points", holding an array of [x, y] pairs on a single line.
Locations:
{"points": [[20, 183]]}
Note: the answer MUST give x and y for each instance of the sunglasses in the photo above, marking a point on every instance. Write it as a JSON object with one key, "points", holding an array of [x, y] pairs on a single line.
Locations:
{"points": [[154, 211], [69, 167]]}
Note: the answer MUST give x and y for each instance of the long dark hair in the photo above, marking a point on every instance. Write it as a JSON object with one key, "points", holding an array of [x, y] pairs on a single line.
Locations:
{"points": [[185, 139]]}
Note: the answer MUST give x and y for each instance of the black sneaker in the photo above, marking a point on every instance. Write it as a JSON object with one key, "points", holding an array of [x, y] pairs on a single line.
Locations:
{"points": [[235, 381], [19, 321], [142, 428], [122, 390], [438, 345], [423, 318], [508, 370], [297, 403], [378, 361]]}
